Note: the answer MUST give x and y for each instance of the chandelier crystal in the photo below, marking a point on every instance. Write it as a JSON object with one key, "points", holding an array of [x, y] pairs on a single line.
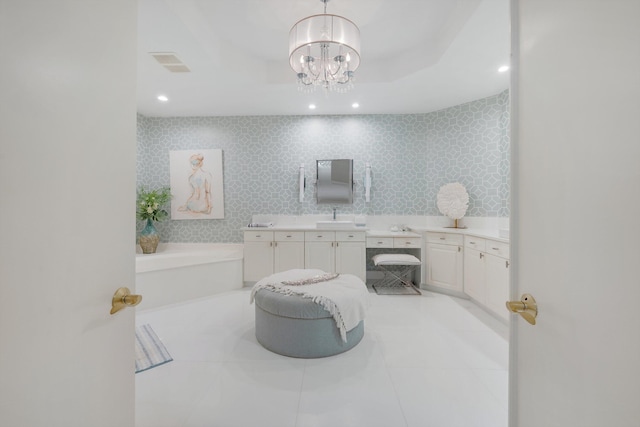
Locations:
{"points": [[324, 50]]}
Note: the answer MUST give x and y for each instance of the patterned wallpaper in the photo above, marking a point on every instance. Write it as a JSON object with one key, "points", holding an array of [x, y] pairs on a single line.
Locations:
{"points": [[411, 157]]}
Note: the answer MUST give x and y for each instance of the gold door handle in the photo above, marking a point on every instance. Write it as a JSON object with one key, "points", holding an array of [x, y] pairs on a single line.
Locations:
{"points": [[526, 307], [123, 298]]}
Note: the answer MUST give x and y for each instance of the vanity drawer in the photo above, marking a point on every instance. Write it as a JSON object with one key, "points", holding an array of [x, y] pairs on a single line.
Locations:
{"points": [[476, 243], [319, 236], [289, 236], [407, 242], [445, 238], [350, 236], [258, 236], [379, 242], [497, 248]]}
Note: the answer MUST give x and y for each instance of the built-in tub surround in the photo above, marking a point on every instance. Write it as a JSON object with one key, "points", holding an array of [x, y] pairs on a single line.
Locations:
{"points": [[179, 272], [410, 158]]}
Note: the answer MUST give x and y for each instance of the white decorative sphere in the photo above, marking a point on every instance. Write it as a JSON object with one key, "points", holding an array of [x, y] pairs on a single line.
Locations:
{"points": [[453, 200]]}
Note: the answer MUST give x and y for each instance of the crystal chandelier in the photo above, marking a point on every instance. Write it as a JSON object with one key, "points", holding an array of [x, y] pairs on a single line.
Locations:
{"points": [[324, 50]]}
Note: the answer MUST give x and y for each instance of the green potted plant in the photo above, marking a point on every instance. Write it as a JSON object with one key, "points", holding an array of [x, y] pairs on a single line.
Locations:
{"points": [[150, 207]]}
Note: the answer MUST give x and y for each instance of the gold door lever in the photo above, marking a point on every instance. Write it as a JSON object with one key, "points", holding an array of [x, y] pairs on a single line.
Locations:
{"points": [[526, 307], [123, 298]]}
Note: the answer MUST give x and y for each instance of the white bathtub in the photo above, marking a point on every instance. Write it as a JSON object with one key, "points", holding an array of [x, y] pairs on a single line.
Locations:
{"points": [[178, 272]]}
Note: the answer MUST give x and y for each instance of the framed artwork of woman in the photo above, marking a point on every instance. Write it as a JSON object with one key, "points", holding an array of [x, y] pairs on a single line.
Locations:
{"points": [[196, 184]]}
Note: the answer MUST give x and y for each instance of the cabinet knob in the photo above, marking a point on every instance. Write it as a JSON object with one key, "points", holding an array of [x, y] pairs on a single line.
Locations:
{"points": [[496, 249], [481, 255], [442, 238], [506, 264]]}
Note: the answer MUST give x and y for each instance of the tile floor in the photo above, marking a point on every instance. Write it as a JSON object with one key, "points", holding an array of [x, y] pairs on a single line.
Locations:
{"points": [[428, 361]]}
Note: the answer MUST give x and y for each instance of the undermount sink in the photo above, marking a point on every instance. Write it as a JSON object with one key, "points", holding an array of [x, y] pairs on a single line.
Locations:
{"points": [[335, 224]]}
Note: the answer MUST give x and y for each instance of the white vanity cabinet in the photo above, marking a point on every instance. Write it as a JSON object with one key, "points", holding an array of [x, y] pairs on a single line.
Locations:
{"points": [[288, 250], [351, 253], [497, 276], [444, 261], [268, 252], [258, 255], [486, 273], [336, 251], [320, 250]]}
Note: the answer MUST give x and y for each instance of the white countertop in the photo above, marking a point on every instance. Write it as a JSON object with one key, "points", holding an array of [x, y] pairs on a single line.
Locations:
{"points": [[303, 228], [477, 232], [413, 232]]}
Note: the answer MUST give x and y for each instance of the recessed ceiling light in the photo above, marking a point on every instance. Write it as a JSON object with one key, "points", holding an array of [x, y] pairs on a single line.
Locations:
{"points": [[312, 106], [163, 98], [503, 68], [355, 105]]}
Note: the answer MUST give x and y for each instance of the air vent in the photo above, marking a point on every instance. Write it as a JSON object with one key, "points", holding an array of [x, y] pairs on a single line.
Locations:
{"points": [[170, 61]]}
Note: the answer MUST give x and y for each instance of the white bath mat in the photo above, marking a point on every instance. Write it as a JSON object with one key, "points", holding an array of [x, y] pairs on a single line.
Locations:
{"points": [[150, 352]]}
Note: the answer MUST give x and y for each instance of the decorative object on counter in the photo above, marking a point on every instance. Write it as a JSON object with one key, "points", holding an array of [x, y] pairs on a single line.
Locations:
{"points": [[197, 184], [453, 201], [260, 224], [150, 208]]}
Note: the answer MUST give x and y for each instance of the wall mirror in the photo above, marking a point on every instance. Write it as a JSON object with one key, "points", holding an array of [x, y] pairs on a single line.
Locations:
{"points": [[335, 181]]}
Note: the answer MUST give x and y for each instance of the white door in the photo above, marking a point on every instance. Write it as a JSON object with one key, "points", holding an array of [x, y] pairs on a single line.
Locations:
{"points": [[444, 266], [576, 212], [320, 255], [474, 274], [496, 275], [258, 260], [67, 226], [351, 258], [288, 256]]}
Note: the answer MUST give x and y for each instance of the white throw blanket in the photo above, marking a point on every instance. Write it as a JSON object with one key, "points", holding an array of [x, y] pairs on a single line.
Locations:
{"points": [[345, 297]]}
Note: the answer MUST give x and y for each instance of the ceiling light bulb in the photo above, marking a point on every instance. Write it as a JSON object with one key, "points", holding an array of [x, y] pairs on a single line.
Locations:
{"points": [[503, 68], [163, 98], [355, 105]]}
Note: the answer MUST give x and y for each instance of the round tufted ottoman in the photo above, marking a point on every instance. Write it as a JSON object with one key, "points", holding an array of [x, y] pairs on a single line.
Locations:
{"points": [[297, 327]]}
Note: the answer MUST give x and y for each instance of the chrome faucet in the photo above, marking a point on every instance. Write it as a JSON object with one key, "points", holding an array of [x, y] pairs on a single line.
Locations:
{"points": [[334, 213]]}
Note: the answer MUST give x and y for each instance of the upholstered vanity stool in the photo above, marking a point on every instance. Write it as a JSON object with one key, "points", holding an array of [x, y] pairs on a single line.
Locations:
{"points": [[398, 272]]}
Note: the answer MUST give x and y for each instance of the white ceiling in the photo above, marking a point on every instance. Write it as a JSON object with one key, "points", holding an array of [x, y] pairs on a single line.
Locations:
{"points": [[417, 56]]}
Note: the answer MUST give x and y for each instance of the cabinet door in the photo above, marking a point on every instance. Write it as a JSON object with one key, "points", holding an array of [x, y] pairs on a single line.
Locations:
{"points": [[497, 284], [444, 266], [351, 259], [474, 281], [320, 255], [288, 255], [258, 260]]}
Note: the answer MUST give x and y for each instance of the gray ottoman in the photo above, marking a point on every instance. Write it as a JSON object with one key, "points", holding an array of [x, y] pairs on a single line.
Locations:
{"points": [[297, 327]]}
